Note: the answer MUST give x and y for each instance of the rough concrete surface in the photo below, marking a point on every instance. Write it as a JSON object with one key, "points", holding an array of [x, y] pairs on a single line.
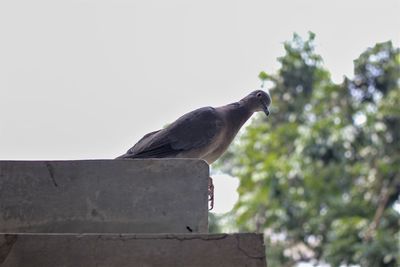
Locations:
{"points": [[151, 250], [104, 196]]}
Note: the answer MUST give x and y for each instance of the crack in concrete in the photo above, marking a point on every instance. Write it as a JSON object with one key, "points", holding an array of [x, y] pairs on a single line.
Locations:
{"points": [[6, 247], [245, 252], [50, 169], [202, 238], [166, 237]]}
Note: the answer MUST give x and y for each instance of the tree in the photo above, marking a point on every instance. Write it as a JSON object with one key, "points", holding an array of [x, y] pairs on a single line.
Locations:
{"points": [[320, 176]]}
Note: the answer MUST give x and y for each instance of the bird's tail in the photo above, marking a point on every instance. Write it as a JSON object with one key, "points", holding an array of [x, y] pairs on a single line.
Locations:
{"points": [[126, 156]]}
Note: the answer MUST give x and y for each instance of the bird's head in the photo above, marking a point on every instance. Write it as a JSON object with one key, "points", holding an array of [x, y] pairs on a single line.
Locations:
{"points": [[258, 101]]}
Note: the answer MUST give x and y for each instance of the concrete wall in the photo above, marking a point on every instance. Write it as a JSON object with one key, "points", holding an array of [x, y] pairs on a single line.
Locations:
{"points": [[104, 196], [192, 250]]}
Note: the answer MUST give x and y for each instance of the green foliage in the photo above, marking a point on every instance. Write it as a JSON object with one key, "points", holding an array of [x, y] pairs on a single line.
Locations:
{"points": [[213, 225], [322, 173]]}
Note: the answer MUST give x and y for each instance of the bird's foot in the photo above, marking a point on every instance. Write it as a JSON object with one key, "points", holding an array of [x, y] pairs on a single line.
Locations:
{"points": [[210, 193]]}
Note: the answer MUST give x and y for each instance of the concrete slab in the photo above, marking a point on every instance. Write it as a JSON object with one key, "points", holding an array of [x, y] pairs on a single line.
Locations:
{"points": [[194, 250], [104, 196]]}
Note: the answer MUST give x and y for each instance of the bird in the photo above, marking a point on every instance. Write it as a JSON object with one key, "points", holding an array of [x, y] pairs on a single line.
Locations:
{"points": [[204, 133]]}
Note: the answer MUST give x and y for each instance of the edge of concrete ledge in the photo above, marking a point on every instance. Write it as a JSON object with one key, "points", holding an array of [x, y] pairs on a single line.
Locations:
{"points": [[195, 250]]}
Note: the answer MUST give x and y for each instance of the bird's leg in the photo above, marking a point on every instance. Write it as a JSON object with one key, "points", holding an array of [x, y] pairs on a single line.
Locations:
{"points": [[211, 193]]}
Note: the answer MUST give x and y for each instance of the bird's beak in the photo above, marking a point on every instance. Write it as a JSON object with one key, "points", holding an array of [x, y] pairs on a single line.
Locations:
{"points": [[266, 110]]}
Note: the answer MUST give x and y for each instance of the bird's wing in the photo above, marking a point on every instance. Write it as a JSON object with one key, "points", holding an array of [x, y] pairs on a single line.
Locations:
{"points": [[193, 130]]}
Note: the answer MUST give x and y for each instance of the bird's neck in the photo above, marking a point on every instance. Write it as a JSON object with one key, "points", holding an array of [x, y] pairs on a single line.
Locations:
{"points": [[238, 114]]}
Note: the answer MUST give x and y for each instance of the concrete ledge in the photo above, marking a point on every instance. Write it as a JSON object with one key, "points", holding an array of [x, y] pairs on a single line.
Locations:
{"points": [[104, 196], [49, 250]]}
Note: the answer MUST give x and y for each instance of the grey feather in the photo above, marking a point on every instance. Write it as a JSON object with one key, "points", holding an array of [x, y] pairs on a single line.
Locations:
{"points": [[204, 133], [191, 131]]}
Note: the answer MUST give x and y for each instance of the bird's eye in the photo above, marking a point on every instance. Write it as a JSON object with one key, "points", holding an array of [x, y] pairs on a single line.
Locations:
{"points": [[259, 95]]}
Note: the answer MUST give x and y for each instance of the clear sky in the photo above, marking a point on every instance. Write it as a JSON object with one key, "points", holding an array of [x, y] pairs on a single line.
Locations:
{"points": [[85, 79]]}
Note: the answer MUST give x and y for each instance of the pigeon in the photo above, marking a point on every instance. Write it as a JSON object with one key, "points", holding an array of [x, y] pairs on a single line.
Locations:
{"points": [[204, 133]]}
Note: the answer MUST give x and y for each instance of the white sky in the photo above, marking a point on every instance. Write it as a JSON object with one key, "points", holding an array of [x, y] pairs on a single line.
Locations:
{"points": [[86, 79]]}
